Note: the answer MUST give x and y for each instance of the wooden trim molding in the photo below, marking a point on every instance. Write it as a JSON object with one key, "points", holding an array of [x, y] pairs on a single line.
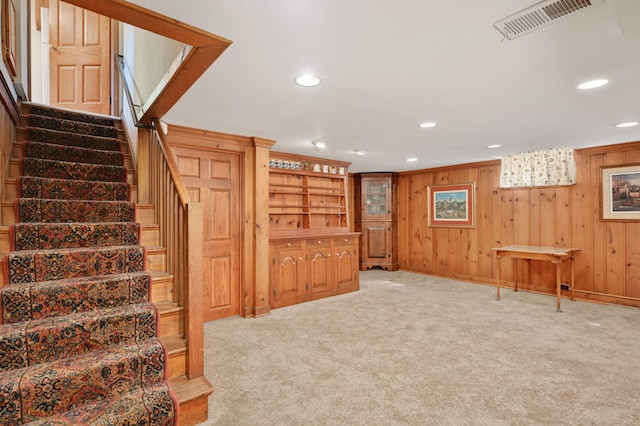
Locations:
{"points": [[452, 167], [606, 149], [206, 49]]}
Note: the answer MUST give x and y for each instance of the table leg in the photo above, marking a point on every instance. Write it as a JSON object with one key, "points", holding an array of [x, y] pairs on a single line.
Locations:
{"points": [[572, 277], [498, 263], [515, 274], [558, 264]]}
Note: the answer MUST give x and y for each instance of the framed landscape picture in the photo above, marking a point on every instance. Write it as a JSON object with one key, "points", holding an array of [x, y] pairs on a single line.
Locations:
{"points": [[452, 205], [620, 192]]}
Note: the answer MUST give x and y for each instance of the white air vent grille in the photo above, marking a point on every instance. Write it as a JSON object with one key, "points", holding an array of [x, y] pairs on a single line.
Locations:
{"points": [[539, 15]]}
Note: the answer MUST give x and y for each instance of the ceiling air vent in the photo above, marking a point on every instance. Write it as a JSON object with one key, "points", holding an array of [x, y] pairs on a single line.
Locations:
{"points": [[540, 15]]}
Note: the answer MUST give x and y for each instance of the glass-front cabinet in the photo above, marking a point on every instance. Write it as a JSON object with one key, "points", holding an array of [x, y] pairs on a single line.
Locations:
{"points": [[375, 218], [376, 197]]}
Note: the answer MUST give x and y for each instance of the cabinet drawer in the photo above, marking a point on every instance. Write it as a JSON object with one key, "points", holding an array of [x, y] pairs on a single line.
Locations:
{"points": [[284, 245], [318, 242]]}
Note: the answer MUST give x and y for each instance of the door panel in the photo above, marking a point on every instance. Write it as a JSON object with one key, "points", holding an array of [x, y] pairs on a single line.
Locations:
{"points": [[213, 178], [79, 58], [377, 241]]}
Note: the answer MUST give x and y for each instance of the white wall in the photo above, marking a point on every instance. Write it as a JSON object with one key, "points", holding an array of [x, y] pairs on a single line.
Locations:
{"points": [[147, 57]]}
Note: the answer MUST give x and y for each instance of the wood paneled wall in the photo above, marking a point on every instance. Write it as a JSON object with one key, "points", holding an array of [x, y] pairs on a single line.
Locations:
{"points": [[607, 268]]}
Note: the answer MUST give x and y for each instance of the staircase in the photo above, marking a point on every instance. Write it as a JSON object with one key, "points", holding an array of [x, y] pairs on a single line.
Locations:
{"points": [[89, 331]]}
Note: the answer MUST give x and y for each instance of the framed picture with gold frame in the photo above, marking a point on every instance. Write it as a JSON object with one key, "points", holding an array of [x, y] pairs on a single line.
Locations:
{"points": [[452, 205], [620, 192]]}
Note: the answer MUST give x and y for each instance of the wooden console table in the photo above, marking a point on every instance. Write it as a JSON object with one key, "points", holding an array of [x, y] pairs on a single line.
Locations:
{"points": [[555, 255]]}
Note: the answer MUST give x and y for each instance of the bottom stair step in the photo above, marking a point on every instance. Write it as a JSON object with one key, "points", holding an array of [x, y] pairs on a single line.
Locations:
{"points": [[193, 397]]}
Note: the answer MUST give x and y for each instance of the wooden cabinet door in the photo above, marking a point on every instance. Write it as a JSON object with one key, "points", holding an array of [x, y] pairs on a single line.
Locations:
{"points": [[287, 277], [320, 266], [346, 264], [80, 75], [376, 244], [376, 198]]}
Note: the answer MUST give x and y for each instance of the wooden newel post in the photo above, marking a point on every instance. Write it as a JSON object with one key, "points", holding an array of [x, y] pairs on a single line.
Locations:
{"points": [[194, 316]]}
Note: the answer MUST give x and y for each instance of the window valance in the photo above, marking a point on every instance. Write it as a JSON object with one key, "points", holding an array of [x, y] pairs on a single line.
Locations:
{"points": [[547, 167]]}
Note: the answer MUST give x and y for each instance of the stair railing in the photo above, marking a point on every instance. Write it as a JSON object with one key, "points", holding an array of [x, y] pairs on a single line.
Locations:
{"points": [[181, 225], [180, 221]]}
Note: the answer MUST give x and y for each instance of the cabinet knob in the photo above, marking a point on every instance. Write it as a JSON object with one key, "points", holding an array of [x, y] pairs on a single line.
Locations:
{"points": [[300, 258], [345, 240], [319, 242]]}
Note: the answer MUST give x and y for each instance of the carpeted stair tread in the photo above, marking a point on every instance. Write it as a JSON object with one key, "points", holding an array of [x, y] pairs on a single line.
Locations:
{"points": [[72, 170], [13, 345], [51, 388], [71, 139], [49, 265], [44, 299], [71, 115], [38, 187], [73, 126], [48, 339], [151, 405], [49, 151], [34, 210], [37, 236]]}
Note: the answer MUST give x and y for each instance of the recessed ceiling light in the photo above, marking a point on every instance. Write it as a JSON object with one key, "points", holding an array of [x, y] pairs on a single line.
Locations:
{"points": [[628, 124], [494, 146], [412, 159], [358, 152], [307, 80], [319, 145], [592, 84], [427, 124]]}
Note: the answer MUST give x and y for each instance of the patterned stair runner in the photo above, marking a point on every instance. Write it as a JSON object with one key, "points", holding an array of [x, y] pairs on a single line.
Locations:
{"points": [[78, 334]]}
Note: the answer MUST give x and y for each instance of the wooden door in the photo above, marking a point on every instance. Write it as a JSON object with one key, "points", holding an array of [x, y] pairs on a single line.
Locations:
{"points": [[213, 178], [79, 58]]}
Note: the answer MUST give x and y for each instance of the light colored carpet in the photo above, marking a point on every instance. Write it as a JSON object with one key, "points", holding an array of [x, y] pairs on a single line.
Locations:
{"points": [[411, 349]]}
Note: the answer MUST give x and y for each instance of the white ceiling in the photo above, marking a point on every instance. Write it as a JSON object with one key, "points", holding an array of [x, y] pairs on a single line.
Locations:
{"points": [[387, 65]]}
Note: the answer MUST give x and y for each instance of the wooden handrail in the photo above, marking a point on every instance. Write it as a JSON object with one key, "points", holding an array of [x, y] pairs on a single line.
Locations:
{"points": [[181, 190]]}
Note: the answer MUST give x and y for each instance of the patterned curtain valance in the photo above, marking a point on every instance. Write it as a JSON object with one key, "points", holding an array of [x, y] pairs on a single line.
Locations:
{"points": [[547, 167]]}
